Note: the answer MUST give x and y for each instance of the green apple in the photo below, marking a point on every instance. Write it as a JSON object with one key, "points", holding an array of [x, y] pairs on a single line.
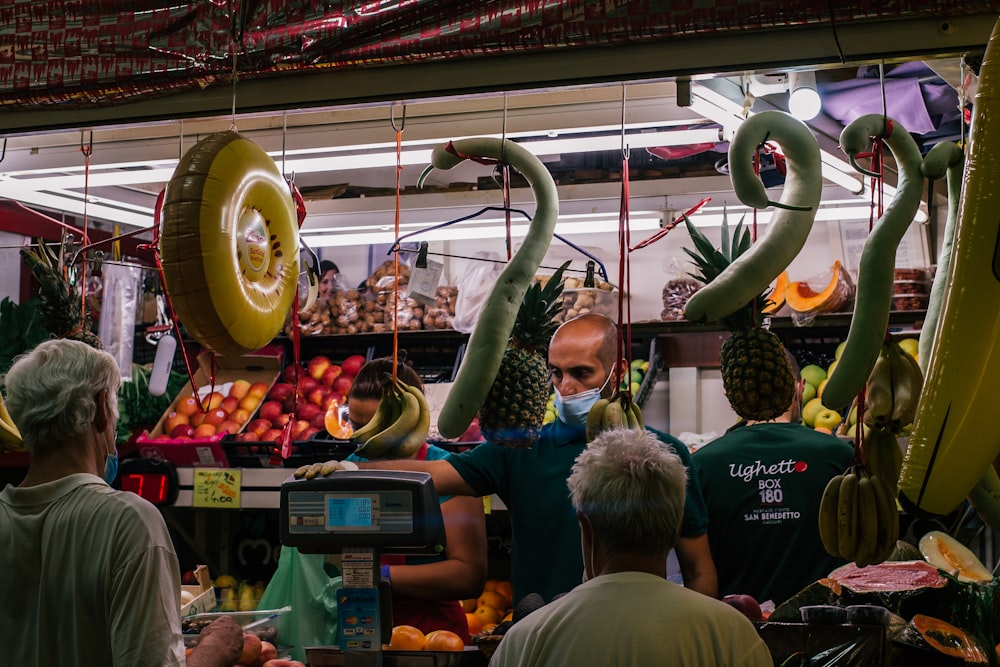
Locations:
{"points": [[808, 392], [637, 364], [810, 410], [828, 419], [813, 374], [852, 417], [634, 388], [840, 350], [911, 346]]}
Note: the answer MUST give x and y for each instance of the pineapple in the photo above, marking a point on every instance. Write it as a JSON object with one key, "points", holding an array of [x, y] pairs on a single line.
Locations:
{"points": [[61, 307], [514, 408], [756, 375]]}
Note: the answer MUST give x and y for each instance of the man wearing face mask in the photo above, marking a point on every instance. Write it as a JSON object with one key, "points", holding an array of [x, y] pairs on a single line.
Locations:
{"points": [[93, 576], [545, 544]]}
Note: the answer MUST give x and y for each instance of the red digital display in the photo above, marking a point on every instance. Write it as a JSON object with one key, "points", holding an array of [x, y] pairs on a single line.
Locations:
{"points": [[151, 486]]}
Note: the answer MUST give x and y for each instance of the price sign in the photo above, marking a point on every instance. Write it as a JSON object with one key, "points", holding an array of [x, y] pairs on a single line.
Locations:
{"points": [[217, 487]]}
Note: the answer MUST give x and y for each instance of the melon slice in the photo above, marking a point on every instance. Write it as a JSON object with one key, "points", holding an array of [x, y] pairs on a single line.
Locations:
{"points": [[949, 555]]}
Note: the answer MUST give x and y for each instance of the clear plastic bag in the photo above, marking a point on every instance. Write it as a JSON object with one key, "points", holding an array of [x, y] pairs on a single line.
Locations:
{"points": [[474, 286]]}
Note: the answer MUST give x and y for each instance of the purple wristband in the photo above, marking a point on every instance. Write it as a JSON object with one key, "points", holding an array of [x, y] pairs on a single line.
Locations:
{"points": [[385, 574]]}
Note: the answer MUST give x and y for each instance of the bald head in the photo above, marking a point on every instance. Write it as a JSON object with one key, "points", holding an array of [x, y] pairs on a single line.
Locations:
{"points": [[595, 330]]}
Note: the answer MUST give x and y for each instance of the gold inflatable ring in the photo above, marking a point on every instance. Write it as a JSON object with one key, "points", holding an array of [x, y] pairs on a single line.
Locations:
{"points": [[229, 244]]}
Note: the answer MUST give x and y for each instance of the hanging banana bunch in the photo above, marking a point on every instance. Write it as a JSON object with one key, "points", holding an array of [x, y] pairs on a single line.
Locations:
{"points": [[893, 389], [858, 519], [399, 426], [617, 412]]}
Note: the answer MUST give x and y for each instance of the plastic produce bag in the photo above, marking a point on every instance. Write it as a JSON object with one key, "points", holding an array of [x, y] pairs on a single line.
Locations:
{"points": [[122, 288], [302, 582], [473, 288]]}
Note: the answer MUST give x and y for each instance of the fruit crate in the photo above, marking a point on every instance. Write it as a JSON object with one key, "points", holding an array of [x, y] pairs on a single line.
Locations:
{"points": [[258, 454]]}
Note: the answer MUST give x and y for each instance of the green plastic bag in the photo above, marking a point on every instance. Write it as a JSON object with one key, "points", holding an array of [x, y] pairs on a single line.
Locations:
{"points": [[302, 582]]}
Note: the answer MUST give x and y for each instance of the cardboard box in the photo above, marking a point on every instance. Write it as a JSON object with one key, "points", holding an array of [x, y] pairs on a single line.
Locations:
{"points": [[262, 366], [203, 592]]}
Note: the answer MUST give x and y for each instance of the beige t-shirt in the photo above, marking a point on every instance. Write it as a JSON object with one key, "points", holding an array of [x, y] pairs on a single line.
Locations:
{"points": [[89, 576]]}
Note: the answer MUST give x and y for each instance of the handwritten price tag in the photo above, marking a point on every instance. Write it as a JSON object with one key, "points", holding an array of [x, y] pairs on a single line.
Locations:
{"points": [[217, 487]]}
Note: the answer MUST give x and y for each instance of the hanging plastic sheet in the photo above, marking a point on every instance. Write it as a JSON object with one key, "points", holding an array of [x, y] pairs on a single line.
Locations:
{"points": [[122, 290]]}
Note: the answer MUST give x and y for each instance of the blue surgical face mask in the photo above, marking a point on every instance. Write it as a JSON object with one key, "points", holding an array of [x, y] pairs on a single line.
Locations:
{"points": [[111, 467], [573, 410]]}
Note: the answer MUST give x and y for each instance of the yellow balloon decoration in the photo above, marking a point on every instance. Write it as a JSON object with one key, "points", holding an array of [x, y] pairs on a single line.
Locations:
{"points": [[954, 439], [229, 244]]}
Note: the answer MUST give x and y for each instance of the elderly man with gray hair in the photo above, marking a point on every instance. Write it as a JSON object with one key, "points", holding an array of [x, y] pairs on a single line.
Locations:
{"points": [[628, 492], [90, 574]]}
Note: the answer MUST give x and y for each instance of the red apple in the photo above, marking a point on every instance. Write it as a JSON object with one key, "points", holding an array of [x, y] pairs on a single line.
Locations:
{"points": [[331, 374], [258, 389], [181, 430], [289, 403], [298, 428], [279, 391], [746, 604], [230, 403], [330, 399], [163, 437], [309, 432], [318, 420], [308, 410], [188, 578], [307, 384], [259, 426], [198, 418], [239, 389], [213, 400], [319, 394], [281, 420], [291, 372], [342, 384], [271, 435], [175, 419], [270, 410], [352, 364], [247, 436], [317, 366]]}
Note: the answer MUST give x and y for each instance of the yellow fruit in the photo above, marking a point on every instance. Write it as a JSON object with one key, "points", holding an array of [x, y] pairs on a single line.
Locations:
{"points": [[506, 589], [225, 581], [475, 625], [487, 614], [443, 640], [469, 605], [493, 599]]}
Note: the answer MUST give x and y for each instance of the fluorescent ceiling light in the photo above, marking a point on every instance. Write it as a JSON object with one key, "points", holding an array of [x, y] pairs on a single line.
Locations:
{"points": [[803, 99], [712, 217]]}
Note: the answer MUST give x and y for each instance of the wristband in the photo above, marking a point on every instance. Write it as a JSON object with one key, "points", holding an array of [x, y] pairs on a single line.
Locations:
{"points": [[385, 574]]}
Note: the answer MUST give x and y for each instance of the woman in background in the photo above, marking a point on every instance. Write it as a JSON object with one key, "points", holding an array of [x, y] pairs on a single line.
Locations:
{"points": [[426, 590]]}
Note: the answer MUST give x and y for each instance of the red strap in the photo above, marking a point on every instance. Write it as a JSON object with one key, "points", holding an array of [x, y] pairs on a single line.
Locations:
{"points": [[450, 147], [422, 452]]}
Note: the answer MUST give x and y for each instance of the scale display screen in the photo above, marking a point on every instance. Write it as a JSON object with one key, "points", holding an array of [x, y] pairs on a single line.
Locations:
{"points": [[351, 512]]}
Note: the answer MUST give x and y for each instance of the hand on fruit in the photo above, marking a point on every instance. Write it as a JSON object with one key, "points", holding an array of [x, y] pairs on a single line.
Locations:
{"points": [[220, 643]]}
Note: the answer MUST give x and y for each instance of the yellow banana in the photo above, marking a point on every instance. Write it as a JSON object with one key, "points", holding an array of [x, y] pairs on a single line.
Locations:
{"points": [[828, 515], [878, 392], [847, 520], [396, 433], [595, 419], [867, 522], [418, 436], [952, 442]]}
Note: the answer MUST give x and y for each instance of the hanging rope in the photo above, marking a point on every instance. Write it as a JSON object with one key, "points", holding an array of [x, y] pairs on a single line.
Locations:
{"points": [[87, 149], [624, 265], [395, 257]]}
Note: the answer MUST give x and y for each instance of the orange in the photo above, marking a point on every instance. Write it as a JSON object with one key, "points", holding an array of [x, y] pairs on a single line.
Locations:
{"points": [[492, 599], [407, 638], [491, 585], [506, 589], [444, 640], [336, 425], [468, 605], [475, 625], [487, 614]]}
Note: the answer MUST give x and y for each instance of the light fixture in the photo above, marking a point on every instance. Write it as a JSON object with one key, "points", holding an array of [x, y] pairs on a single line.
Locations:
{"points": [[832, 211], [803, 99]]}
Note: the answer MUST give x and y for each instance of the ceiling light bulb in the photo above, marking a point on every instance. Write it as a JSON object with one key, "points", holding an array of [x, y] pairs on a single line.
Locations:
{"points": [[803, 100]]}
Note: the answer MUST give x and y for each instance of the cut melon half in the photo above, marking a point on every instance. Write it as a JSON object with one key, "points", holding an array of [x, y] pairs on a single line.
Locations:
{"points": [[949, 555]]}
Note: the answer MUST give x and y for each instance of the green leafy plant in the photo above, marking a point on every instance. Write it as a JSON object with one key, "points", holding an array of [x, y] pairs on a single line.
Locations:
{"points": [[21, 329]]}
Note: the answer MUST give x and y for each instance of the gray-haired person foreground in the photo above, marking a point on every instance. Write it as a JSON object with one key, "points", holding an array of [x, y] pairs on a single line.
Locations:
{"points": [[92, 574], [628, 492]]}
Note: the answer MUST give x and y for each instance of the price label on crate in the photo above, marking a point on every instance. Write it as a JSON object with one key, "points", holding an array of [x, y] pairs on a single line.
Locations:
{"points": [[217, 487]]}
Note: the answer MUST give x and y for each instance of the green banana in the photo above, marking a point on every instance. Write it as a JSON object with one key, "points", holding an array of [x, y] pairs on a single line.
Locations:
{"points": [[614, 417], [847, 520], [867, 522], [878, 392], [637, 414], [393, 407], [379, 421], [595, 419], [828, 515], [418, 436], [884, 457], [888, 519], [905, 388]]}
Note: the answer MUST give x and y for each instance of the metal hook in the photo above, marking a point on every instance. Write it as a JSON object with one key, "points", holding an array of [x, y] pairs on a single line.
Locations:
{"points": [[85, 148], [392, 118], [625, 148], [3, 153]]}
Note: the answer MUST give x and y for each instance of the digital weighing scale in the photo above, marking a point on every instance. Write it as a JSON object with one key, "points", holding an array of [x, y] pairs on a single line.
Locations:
{"points": [[361, 515]]}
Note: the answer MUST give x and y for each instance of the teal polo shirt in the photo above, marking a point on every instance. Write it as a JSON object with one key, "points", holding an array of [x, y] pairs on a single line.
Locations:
{"points": [[545, 553]]}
